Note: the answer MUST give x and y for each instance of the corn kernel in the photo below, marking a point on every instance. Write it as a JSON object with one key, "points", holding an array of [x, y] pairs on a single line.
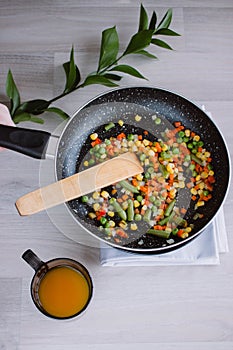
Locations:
{"points": [[196, 138], [104, 194], [96, 195], [146, 162], [187, 132], [120, 122], [111, 223], [85, 163], [164, 147], [138, 143], [211, 172], [138, 118], [133, 227], [184, 235], [144, 207], [200, 203], [198, 178], [92, 215], [193, 191], [207, 154], [96, 206], [201, 185], [188, 229], [172, 193], [123, 224], [146, 142], [111, 213], [94, 136], [151, 153], [139, 177], [204, 175], [136, 204], [170, 168]]}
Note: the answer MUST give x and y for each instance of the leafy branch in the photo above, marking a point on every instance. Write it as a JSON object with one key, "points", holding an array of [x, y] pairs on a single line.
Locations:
{"points": [[108, 72]]}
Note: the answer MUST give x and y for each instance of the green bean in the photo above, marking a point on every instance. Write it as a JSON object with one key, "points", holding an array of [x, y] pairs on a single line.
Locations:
{"points": [[130, 210], [196, 159], [159, 233], [163, 170], [125, 184], [109, 126], [166, 220], [170, 207], [147, 215], [120, 211]]}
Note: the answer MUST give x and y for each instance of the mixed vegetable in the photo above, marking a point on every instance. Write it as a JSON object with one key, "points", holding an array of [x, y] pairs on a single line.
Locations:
{"points": [[177, 174]]}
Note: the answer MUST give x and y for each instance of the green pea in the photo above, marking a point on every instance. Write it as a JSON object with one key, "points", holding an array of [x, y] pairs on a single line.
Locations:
{"points": [[130, 137], [102, 150], [84, 199], [137, 217], [103, 220], [139, 198]]}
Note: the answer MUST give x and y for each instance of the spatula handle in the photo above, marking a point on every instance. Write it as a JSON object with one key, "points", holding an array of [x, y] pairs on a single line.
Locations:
{"points": [[99, 176]]}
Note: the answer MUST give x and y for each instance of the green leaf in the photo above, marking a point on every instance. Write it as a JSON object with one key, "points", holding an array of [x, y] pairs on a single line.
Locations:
{"points": [[146, 53], [34, 106], [124, 68], [143, 19], [153, 21], [12, 92], [139, 41], [37, 120], [109, 48], [110, 76], [21, 117], [98, 79], [58, 111], [161, 43], [72, 73], [166, 31], [165, 22]]}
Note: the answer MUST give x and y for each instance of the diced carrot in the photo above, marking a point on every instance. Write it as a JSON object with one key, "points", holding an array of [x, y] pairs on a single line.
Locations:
{"points": [[177, 124], [139, 137], [180, 232], [183, 211], [144, 189], [194, 198], [121, 136], [211, 179], [134, 183], [125, 197], [96, 142], [145, 132]]}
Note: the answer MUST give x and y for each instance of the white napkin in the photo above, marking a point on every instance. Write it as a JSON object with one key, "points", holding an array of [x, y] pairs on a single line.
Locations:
{"points": [[204, 250]]}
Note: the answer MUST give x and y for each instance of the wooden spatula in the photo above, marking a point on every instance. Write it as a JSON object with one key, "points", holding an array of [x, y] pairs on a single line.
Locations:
{"points": [[99, 176]]}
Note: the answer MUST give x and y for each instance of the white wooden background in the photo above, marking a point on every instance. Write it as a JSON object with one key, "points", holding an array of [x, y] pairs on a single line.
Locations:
{"points": [[185, 307]]}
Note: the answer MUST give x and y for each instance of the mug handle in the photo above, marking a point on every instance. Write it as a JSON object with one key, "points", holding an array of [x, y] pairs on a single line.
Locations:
{"points": [[32, 259]]}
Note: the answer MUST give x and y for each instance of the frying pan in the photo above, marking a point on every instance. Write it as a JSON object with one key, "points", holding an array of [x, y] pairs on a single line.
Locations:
{"points": [[124, 104]]}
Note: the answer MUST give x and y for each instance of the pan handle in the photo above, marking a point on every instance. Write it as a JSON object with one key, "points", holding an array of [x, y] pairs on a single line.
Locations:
{"points": [[33, 143]]}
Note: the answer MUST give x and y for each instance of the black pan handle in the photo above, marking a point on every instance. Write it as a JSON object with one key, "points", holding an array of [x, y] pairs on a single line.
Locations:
{"points": [[33, 143]]}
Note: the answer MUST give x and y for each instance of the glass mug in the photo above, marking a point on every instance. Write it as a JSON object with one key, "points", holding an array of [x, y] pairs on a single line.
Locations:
{"points": [[61, 288]]}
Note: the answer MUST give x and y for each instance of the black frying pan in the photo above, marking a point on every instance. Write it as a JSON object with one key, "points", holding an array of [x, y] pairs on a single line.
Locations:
{"points": [[124, 104]]}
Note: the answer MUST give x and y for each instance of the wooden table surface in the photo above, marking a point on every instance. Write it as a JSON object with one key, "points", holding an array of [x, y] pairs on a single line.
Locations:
{"points": [[166, 307]]}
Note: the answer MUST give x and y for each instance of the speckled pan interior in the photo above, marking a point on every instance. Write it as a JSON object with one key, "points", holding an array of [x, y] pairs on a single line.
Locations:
{"points": [[124, 104]]}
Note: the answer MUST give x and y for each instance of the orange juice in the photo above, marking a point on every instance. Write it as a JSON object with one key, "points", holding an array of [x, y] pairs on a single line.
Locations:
{"points": [[63, 292]]}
